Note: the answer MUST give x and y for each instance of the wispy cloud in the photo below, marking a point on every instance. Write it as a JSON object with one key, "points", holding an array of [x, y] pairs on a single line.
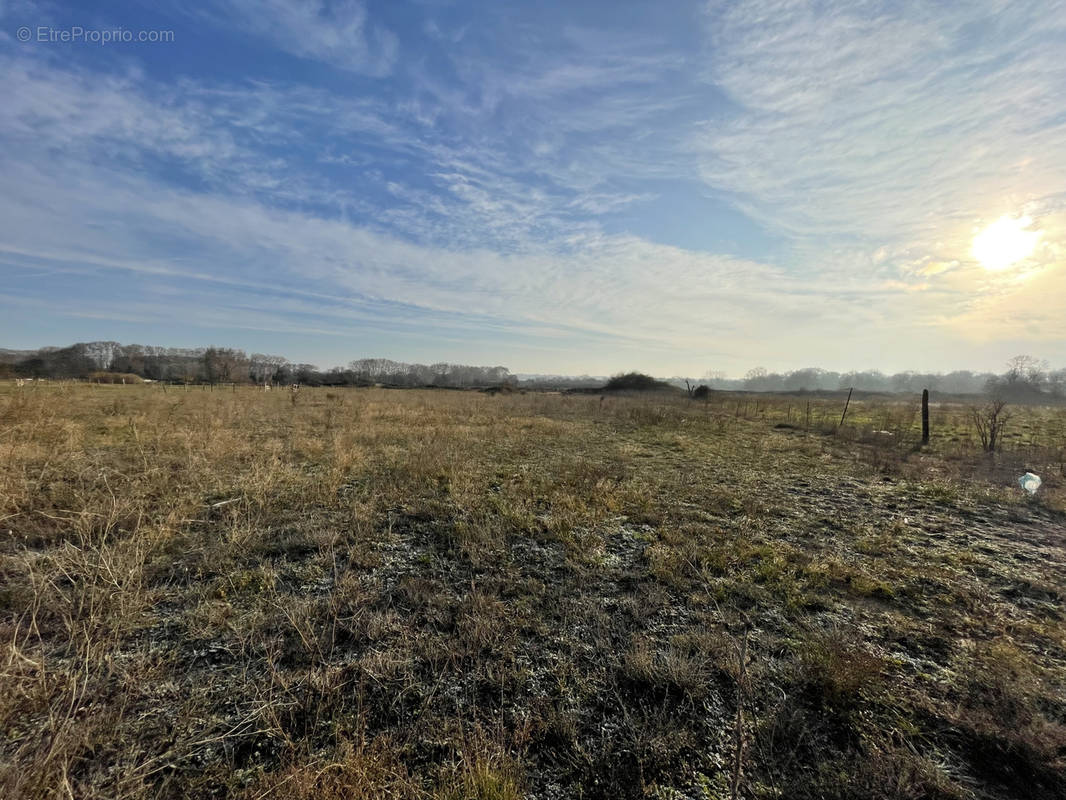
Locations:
{"points": [[888, 121], [535, 181], [899, 129], [336, 32]]}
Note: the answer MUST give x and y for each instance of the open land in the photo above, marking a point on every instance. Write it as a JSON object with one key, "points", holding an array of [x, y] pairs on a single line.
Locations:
{"points": [[365, 593]]}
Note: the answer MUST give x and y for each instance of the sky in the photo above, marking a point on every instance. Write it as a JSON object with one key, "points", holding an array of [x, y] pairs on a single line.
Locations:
{"points": [[567, 188]]}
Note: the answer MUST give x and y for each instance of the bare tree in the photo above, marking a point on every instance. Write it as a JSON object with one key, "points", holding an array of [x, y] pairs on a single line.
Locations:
{"points": [[263, 368], [224, 364], [1026, 369], [755, 378], [990, 420]]}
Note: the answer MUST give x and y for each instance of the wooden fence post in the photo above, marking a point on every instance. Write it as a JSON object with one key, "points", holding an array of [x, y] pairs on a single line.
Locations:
{"points": [[846, 403], [925, 416]]}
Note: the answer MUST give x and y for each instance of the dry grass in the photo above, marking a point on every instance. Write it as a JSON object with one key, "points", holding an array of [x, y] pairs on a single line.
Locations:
{"points": [[370, 593]]}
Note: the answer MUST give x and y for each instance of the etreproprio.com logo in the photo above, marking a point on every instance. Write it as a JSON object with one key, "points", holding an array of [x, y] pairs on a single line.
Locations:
{"points": [[76, 34]]}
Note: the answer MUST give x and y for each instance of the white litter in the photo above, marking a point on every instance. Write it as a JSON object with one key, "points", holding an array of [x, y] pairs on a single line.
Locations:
{"points": [[1030, 482]]}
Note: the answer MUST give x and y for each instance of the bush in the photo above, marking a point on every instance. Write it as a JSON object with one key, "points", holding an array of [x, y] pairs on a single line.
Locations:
{"points": [[115, 377], [635, 382]]}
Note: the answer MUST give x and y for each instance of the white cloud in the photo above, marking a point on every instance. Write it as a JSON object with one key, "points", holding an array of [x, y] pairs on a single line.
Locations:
{"points": [[887, 121], [332, 31], [316, 274], [873, 140]]}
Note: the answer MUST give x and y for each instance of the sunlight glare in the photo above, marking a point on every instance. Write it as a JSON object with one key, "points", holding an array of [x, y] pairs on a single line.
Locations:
{"points": [[1004, 242]]}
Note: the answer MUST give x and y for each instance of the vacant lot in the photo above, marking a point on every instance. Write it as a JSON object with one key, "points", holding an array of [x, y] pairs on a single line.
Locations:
{"points": [[371, 593]]}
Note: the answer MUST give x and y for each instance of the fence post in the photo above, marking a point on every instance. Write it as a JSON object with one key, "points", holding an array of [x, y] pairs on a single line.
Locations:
{"points": [[925, 416], [846, 403]]}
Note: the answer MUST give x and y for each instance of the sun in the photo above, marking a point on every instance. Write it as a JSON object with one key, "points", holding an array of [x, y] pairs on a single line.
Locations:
{"points": [[1004, 242]]}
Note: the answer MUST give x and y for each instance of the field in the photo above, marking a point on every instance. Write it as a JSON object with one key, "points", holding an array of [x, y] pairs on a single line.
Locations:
{"points": [[365, 593]]}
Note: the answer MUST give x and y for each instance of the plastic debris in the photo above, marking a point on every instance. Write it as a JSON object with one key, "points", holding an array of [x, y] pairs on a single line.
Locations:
{"points": [[1030, 482]]}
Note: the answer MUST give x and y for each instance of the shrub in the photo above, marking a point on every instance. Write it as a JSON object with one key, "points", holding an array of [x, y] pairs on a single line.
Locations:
{"points": [[115, 377], [635, 382]]}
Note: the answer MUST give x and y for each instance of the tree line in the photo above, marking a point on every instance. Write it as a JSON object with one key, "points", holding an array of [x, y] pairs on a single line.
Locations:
{"points": [[1025, 378], [87, 360]]}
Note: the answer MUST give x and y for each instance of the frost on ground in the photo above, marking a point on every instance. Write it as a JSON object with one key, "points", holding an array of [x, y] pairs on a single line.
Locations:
{"points": [[450, 595]]}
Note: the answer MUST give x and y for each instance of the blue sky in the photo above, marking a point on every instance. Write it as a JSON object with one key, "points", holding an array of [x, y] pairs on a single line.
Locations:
{"points": [[556, 187]]}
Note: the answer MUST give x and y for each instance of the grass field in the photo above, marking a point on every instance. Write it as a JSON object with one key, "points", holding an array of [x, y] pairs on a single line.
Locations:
{"points": [[364, 593]]}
